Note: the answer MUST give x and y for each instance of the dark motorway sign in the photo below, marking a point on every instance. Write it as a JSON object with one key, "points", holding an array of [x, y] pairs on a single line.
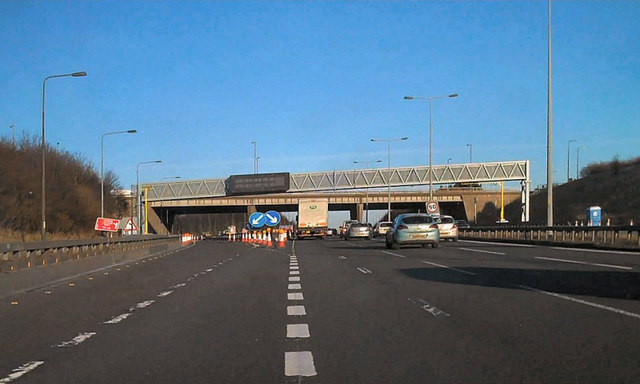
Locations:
{"points": [[257, 184]]}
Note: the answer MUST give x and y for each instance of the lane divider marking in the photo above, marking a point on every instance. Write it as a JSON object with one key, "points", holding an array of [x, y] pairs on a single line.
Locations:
{"points": [[342, 258], [295, 296], [299, 363], [21, 371], [294, 286], [165, 293], [294, 268], [294, 272], [294, 278], [296, 310], [482, 251], [595, 305], [298, 331], [451, 268], [584, 262], [393, 254], [117, 319], [142, 304], [81, 338], [432, 309], [364, 270]]}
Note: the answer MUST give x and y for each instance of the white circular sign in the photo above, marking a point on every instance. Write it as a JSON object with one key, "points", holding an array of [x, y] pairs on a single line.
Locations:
{"points": [[432, 207]]}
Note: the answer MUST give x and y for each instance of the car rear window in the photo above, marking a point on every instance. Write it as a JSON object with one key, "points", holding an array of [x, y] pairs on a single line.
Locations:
{"points": [[447, 220], [417, 220], [385, 225]]}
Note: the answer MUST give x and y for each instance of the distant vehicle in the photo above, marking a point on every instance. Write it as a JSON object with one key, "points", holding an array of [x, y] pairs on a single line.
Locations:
{"points": [[413, 228], [448, 228], [463, 224], [381, 228], [332, 231], [345, 225], [313, 218], [359, 230]]}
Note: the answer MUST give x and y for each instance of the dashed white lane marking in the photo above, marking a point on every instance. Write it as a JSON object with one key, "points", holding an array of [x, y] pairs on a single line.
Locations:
{"points": [[178, 285], [428, 307], [294, 286], [294, 278], [502, 244], [165, 293], [141, 305], [21, 371], [584, 262], [612, 309], [293, 263], [342, 258], [482, 251], [594, 250], [393, 254], [299, 364], [451, 268], [294, 272], [298, 331], [294, 268], [117, 319], [209, 270], [295, 296], [364, 270], [296, 310], [77, 340]]}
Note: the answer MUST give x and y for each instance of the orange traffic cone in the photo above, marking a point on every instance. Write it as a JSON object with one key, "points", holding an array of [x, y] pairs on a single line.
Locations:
{"points": [[281, 237], [269, 239]]}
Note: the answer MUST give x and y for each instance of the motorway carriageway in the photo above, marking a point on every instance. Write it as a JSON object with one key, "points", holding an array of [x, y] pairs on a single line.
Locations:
{"points": [[334, 311]]}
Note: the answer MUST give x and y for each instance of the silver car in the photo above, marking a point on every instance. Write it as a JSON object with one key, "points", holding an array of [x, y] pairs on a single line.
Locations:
{"points": [[413, 228], [448, 228], [359, 230]]}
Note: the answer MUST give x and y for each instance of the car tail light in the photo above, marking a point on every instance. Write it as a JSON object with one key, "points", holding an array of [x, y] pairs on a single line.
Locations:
{"points": [[455, 226], [433, 226], [401, 227]]}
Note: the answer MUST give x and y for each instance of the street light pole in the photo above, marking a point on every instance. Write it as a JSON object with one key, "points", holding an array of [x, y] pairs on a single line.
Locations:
{"points": [[102, 165], [138, 186], [13, 135], [44, 191], [470, 152], [255, 156], [430, 98], [549, 124], [366, 201], [569, 156], [388, 141], [449, 160], [257, 164]]}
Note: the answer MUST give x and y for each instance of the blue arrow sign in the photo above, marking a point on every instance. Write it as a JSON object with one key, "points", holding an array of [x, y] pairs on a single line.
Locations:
{"points": [[257, 219], [272, 218]]}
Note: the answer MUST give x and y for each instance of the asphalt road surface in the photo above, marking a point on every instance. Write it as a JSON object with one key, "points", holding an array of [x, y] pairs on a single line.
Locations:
{"points": [[334, 311]]}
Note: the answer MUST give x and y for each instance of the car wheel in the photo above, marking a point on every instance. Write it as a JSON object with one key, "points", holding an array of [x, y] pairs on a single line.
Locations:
{"points": [[387, 244], [395, 245], [435, 245], [347, 238]]}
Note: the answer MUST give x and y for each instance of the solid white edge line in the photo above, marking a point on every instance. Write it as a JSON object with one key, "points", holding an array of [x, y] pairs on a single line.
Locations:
{"points": [[482, 251], [595, 305], [393, 254], [21, 371], [451, 268], [596, 251], [494, 243], [583, 262]]}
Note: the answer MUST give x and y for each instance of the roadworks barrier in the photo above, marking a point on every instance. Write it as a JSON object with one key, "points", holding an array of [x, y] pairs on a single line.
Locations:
{"points": [[26, 267]]}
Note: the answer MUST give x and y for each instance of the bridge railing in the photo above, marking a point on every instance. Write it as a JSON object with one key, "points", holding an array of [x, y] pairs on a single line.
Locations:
{"points": [[17, 256], [605, 236]]}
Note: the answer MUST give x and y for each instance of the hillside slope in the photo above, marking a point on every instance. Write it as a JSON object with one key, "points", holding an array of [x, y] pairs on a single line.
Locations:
{"points": [[614, 186]]}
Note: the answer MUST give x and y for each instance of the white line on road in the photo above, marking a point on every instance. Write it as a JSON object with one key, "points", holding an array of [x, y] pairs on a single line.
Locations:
{"points": [[294, 286], [82, 337], [21, 371], [295, 296], [209, 270], [594, 251], [364, 270], [494, 243], [165, 293], [296, 310], [393, 254], [299, 364], [118, 319], [298, 331], [294, 272], [178, 285], [294, 278], [584, 262], [428, 307], [451, 268], [482, 251], [342, 258], [141, 305], [612, 309], [294, 268]]}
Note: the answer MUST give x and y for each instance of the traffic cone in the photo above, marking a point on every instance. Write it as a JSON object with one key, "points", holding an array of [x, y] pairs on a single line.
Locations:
{"points": [[269, 238], [281, 239]]}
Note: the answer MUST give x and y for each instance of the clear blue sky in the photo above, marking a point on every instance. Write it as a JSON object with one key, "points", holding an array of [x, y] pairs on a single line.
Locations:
{"points": [[312, 82]]}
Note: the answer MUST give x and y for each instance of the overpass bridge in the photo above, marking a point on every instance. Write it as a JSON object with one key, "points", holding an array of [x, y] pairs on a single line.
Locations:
{"points": [[346, 190]]}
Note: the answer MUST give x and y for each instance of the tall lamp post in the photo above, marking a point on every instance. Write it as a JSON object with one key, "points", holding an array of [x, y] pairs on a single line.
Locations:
{"points": [[549, 124], [578, 161], [569, 156], [44, 84], [388, 141], [430, 98], [138, 184], [102, 165], [255, 156], [366, 199], [470, 152], [257, 164]]}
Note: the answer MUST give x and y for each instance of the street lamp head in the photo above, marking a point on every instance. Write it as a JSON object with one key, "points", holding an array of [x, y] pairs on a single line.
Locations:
{"points": [[132, 131], [404, 138], [453, 95], [408, 97], [79, 74], [378, 161], [158, 161]]}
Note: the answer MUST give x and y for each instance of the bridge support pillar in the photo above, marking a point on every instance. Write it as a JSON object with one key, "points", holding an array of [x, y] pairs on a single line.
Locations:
{"points": [[360, 212], [251, 209]]}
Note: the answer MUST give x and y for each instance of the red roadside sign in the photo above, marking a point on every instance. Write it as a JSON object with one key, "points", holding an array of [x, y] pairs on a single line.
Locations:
{"points": [[104, 224], [433, 207]]}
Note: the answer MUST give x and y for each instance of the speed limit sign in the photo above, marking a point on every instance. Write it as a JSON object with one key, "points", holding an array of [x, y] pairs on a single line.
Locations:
{"points": [[433, 207]]}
